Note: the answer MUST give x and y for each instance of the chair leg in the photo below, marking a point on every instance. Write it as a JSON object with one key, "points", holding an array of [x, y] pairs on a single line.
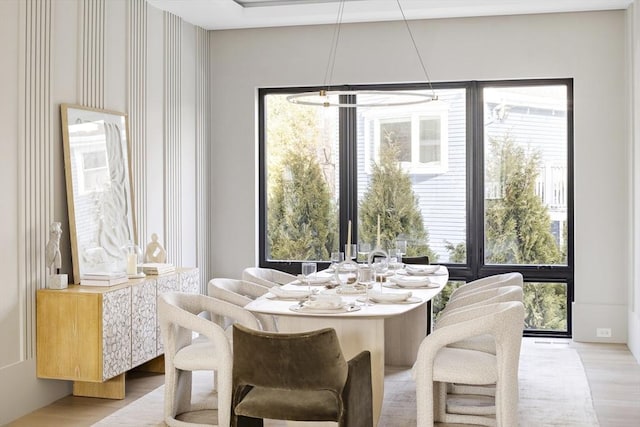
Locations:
{"points": [[439, 401], [424, 400]]}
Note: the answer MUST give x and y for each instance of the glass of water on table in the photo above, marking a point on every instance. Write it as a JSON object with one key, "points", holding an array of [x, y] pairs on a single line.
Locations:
{"points": [[308, 273]]}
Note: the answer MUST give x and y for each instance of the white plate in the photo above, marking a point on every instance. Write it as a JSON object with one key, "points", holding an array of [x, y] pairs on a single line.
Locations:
{"points": [[344, 309], [410, 300], [421, 284], [288, 298]]}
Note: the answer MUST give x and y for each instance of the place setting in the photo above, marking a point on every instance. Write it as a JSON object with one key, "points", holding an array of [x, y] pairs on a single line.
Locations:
{"points": [[279, 293], [324, 304], [411, 282], [423, 270], [378, 297]]}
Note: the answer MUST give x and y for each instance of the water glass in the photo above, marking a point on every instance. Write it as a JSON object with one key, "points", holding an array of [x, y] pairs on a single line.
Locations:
{"points": [[336, 258], [308, 273], [351, 250], [401, 249], [365, 277], [379, 260], [363, 251]]}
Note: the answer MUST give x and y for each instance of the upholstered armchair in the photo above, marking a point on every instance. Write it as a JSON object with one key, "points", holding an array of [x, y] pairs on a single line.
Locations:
{"points": [[240, 293], [298, 377], [267, 277], [179, 319], [438, 365], [495, 281]]}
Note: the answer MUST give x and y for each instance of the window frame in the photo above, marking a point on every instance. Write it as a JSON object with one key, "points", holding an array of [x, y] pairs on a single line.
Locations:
{"points": [[475, 267], [414, 118]]}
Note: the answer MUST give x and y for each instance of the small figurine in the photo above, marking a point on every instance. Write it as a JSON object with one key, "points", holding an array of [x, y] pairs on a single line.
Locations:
{"points": [[52, 250], [155, 252]]}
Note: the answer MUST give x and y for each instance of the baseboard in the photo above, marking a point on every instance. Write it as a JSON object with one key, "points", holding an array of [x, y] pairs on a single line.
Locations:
{"points": [[600, 323]]}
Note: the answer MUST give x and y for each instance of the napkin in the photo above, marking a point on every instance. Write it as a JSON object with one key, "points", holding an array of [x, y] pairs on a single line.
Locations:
{"points": [[289, 293], [378, 296], [411, 281], [421, 269], [325, 301], [319, 278]]}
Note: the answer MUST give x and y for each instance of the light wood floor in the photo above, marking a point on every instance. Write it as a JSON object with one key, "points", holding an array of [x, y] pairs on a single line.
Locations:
{"points": [[613, 374]]}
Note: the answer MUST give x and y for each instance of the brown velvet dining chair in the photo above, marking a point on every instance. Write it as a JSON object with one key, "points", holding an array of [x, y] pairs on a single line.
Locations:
{"points": [[298, 377], [423, 259]]}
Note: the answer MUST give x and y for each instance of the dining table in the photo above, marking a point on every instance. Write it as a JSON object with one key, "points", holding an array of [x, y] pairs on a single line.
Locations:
{"points": [[390, 328]]}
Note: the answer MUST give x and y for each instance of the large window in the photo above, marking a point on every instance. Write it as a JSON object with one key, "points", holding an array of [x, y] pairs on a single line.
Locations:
{"points": [[480, 180]]}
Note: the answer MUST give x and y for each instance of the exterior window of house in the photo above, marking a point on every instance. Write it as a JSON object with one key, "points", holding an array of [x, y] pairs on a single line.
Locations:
{"points": [[419, 133], [480, 181]]}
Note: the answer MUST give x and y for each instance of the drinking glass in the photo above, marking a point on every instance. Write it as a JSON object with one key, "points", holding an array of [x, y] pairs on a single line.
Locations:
{"points": [[351, 250], [308, 273], [363, 251], [336, 258], [401, 249], [393, 258], [379, 261], [365, 277], [380, 266]]}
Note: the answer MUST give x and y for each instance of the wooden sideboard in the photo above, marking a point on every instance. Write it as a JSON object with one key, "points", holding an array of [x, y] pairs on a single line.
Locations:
{"points": [[93, 335]]}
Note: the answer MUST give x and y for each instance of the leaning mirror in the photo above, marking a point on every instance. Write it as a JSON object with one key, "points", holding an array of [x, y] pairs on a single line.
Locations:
{"points": [[99, 189]]}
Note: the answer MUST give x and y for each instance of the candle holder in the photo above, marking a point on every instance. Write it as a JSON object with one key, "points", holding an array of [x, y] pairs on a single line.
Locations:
{"points": [[133, 256]]}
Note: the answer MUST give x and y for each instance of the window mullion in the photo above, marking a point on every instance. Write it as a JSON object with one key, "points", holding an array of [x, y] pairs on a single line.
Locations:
{"points": [[348, 168]]}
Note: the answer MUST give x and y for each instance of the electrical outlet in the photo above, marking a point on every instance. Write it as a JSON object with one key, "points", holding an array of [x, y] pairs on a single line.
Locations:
{"points": [[603, 332]]}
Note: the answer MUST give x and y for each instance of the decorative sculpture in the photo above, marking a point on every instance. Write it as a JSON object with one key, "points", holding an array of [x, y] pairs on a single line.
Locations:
{"points": [[52, 250], [155, 252], [54, 259]]}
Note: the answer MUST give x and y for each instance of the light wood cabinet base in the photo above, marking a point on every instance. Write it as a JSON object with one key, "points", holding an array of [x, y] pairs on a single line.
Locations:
{"points": [[110, 389], [155, 366]]}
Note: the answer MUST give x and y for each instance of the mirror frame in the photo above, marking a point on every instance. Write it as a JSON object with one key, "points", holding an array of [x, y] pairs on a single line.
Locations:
{"points": [[92, 211]]}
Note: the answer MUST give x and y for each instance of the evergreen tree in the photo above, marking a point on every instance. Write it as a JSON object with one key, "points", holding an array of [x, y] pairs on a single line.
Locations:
{"points": [[518, 226], [518, 230], [301, 219], [390, 196], [300, 211]]}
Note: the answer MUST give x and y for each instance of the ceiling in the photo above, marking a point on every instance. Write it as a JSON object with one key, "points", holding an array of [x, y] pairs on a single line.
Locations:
{"points": [[230, 14]]}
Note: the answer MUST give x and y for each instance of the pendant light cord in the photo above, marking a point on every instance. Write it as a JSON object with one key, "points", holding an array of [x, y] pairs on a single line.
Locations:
{"points": [[328, 74], [415, 47]]}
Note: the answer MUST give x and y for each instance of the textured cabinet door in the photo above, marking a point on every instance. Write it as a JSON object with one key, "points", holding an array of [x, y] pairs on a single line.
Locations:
{"points": [[190, 281], [165, 284], [116, 332], [143, 322]]}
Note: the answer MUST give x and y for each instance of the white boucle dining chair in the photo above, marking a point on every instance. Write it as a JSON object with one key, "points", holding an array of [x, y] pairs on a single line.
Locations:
{"points": [[437, 364], [483, 343], [267, 277], [489, 282], [484, 296], [240, 293], [179, 317]]}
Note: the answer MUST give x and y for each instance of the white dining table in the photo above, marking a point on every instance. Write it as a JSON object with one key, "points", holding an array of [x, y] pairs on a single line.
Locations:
{"points": [[363, 328]]}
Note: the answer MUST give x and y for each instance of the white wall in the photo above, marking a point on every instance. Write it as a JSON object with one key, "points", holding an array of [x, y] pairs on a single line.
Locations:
{"points": [[589, 47], [43, 198], [634, 118]]}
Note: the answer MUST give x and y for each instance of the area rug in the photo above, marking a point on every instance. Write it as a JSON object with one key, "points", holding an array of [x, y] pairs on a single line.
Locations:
{"points": [[554, 391]]}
